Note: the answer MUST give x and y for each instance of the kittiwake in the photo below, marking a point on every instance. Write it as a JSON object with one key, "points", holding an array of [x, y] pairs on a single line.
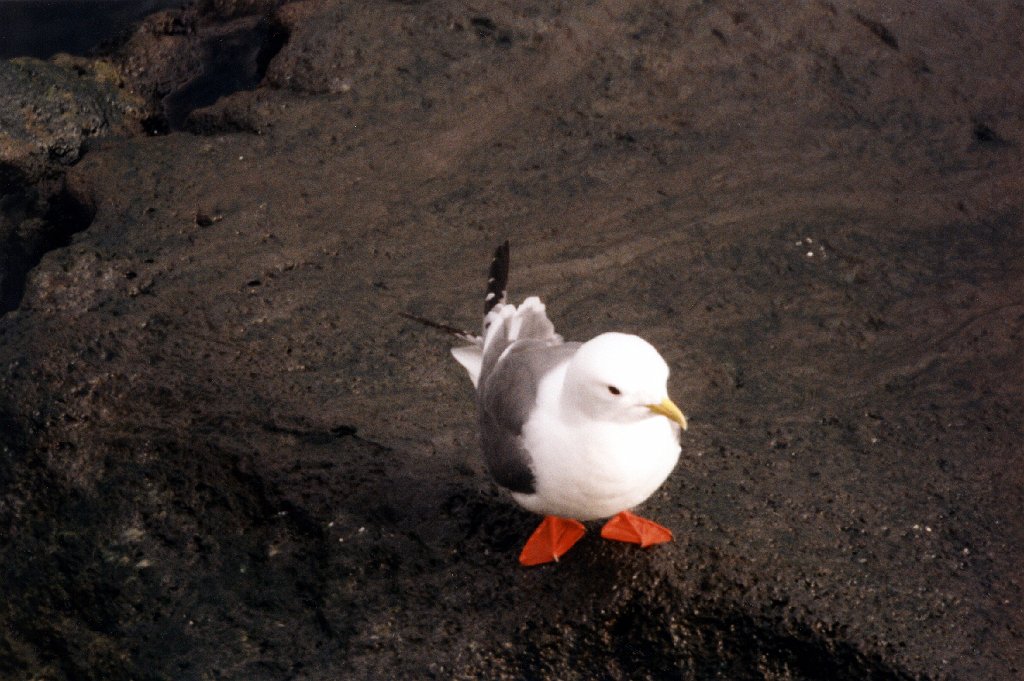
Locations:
{"points": [[575, 431]]}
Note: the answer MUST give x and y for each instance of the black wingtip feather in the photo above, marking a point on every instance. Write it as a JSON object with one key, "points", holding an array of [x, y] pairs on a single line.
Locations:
{"points": [[497, 279]]}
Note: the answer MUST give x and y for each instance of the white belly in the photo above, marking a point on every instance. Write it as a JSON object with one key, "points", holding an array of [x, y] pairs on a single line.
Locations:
{"points": [[597, 470]]}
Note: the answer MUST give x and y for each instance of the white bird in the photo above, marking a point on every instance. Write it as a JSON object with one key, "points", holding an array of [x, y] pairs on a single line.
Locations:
{"points": [[575, 431]]}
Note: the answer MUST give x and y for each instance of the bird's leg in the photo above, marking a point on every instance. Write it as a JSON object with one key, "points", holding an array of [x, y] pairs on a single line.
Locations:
{"points": [[552, 538], [632, 528]]}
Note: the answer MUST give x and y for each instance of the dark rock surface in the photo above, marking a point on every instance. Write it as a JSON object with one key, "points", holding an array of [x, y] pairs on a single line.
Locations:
{"points": [[78, 102], [48, 111], [171, 64], [225, 455]]}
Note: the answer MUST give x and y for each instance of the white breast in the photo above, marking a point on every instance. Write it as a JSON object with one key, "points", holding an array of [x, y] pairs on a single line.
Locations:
{"points": [[587, 470]]}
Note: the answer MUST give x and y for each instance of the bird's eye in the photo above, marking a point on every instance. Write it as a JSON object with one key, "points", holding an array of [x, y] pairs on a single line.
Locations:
{"points": [[613, 390]]}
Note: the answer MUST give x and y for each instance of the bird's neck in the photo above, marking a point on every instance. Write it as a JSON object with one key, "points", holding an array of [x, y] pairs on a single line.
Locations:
{"points": [[572, 405], [559, 392]]}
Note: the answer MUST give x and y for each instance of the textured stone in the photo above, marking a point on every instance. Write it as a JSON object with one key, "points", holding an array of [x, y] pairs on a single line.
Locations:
{"points": [[225, 454], [49, 109]]}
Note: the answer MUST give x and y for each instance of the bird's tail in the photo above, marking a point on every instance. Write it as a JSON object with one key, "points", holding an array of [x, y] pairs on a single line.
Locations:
{"points": [[497, 287], [502, 324], [497, 279], [471, 356]]}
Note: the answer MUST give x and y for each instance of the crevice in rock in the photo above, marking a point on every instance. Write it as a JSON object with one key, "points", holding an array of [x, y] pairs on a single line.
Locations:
{"points": [[275, 38], [33, 223], [234, 60], [984, 135], [311, 435], [879, 30]]}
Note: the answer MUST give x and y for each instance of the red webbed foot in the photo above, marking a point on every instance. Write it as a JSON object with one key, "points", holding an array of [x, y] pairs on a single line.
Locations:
{"points": [[631, 528], [552, 538]]}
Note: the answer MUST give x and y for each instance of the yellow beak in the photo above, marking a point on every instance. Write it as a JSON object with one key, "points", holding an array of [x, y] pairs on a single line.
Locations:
{"points": [[669, 410]]}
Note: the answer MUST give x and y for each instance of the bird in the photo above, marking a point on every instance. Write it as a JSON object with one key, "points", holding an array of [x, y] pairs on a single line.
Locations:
{"points": [[575, 431]]}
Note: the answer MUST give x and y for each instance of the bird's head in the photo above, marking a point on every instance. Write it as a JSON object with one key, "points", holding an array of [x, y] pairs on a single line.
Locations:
{"points": [[620, 377]]}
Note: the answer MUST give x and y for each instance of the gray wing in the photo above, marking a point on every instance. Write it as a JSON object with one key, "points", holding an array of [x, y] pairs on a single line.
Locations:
{"points": [[507, 394]]}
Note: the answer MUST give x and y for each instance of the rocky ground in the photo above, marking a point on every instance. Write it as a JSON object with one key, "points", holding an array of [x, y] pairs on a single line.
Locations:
{"points": [[226, 455]]}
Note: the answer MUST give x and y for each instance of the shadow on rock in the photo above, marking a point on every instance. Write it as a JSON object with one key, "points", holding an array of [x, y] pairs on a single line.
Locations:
{"points": [[33, 222]]}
